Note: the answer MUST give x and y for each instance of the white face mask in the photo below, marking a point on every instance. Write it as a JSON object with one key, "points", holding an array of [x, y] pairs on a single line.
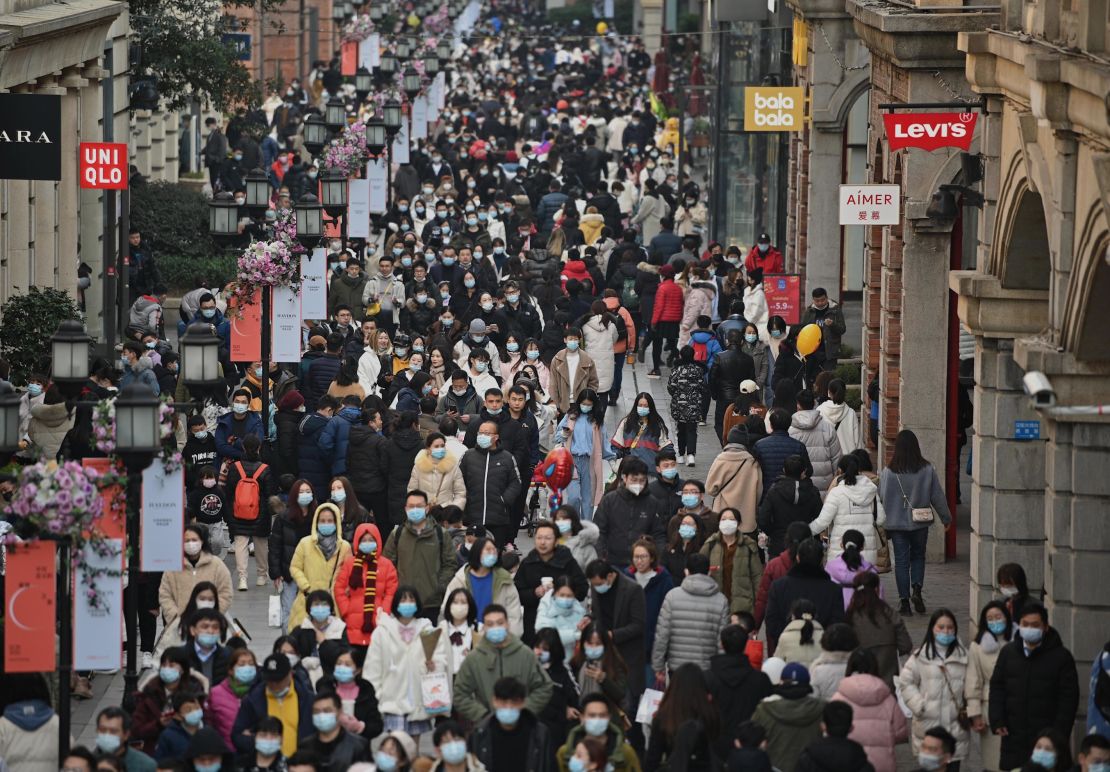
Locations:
{"points": [[192, 548], [728, 527]]}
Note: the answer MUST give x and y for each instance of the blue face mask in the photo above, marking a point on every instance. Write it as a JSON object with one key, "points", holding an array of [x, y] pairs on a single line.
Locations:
{"points": [[944, 639], [453, 752], [508, 716], [544, 656], [643, 412], [385, 762], [240, 408], [245, 674], [267, 746], [595, 727], [415, 514], [326, 529], [448, 261], [108, 743], [586, 407], [368, 547], [776, 333], [484, 441], [564, 603], [214, 767], [575, 764], [344, 674], [208, 313], [496, 635], [481, 366], [1044, 757], [320, 613], [601, 589], [339, 496], [564, 526], [193, 717], [169, 675], [751, 337], [468, 283], [324, 722], [690, 500], [304, 498], [593, 652], [572, 345], [687, 531], [208, 640], [201, 435], [512, 346], [532, 354], [669, 473], [439, 453], [998, 626], [489, 561], [1031, 634]]}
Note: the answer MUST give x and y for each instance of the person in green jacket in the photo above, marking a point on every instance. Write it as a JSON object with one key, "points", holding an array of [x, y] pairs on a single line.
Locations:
{"points": [[597, 722], [791, 716], [346, 290], [423, 553], [498, 655]]}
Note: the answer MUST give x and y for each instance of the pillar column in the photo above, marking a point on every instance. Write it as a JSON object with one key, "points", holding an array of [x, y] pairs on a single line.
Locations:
{"points": [[69, 187], [45, 247], [92, 201], [141, 141], [157, 147], [826, 162], [170, 124]]}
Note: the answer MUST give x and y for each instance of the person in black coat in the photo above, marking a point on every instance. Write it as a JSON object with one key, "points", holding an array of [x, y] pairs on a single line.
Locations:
{"points": [[807, 579], [492, 482], [553, 658], [207, 622], [322, 371], [512, 435], [338, 663], [310, 461], [292, 521], [627, 513], [366, 464], [399, 454], [243, 529], [621, 609], [1034, 686], [287, 421], [730, 368], [336, 748], [548, 559], [492, 738], [791, 499], [736, 687], [199, 450], [834, 752]]}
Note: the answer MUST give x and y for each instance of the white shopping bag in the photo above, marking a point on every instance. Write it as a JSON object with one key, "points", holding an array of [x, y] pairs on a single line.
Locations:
{"points": [[435, 690], [273, 615], [649, 703]]}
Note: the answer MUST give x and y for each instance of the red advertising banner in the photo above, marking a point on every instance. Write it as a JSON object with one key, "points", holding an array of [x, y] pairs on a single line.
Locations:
{"points": [[246, 331], [784, 296], [348, 61], [113, 520], [103, 165], [929, 131], [30, 594]]}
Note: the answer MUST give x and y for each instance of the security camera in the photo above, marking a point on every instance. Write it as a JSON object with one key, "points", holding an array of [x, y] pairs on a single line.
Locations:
{"points": [[1039, 389]]}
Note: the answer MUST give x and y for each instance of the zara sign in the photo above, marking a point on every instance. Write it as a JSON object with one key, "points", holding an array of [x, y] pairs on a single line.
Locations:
{"points": [[30, 137]]}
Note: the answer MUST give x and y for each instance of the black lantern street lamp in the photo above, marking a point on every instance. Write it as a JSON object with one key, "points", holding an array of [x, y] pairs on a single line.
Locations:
{"points": [[316, 135], [334, 195], [443, 51], [9, 421], [337, 12], [391, 115], [375, 136], [223, 217], [377, 12], [431, 65], [402, 48], [200, 357], [387, 66], [364, 83], [310, 220], [69, 360], [410, 82], [348, 10], [335, 115], [259, 190]]}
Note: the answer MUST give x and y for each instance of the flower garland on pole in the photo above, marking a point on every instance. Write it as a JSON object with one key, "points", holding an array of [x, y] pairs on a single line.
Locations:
{"points": [[270, 263], [348, 153]]}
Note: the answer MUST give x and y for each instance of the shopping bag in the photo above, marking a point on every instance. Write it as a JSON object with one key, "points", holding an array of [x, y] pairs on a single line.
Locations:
{"points": [[273, 615], [649, 703], [436, 693]]}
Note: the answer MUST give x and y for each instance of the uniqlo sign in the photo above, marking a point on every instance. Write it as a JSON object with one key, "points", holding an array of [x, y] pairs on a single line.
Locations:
{"points": [[929, 131], [870, 204], [103, 165]]}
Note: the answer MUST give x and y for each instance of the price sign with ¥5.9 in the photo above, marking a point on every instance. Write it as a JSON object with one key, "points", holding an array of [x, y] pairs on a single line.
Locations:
{"points": [[103, 165]]}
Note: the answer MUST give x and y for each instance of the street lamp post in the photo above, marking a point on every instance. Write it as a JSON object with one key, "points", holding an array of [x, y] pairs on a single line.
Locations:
{"points": [[364, 83], [315, 134], [333, 193], [393, 118]]}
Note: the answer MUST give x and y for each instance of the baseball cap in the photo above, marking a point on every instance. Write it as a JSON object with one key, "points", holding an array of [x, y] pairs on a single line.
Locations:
{"points": [[748, 386], [276, 667], [795, 672]]}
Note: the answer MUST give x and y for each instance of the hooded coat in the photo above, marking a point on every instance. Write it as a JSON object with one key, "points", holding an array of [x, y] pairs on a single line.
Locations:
{"points": [[845, 421], [395, 668], [441, 480], [349, 601], [177, 586], [747, 570], [931, 697], [735, 479], [142, 373], [690, 623], [312, 464], [851, 507], [486, 664], [599, 338], [29, 737], [311, 569], [792, 719], [819, 437], [878, 724], [332, 442], [699, 302], [737, 688], [505, 594]]}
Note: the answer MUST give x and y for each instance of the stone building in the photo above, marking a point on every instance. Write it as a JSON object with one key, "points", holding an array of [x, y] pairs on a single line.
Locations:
{"points": [[1033, 302]]}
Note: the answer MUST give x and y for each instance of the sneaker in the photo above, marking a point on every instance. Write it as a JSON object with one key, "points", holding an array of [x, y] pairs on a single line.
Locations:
{"points": [[653, 374], [701, 423], [260, 581], [82, 689], [242, 584], [148, 660], [690, 459]]}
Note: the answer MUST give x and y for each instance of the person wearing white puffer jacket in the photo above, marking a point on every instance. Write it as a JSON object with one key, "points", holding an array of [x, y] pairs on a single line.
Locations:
{"points": [[845, 420], [852, 504]]}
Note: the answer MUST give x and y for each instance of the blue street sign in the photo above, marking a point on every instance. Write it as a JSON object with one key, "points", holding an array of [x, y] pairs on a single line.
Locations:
{"points": [[240, 42], [1027, 430]]}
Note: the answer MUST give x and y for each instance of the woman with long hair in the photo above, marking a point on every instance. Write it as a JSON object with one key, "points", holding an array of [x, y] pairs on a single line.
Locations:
{"points": [[1014, 587], [581, 433], [488, 582], [436, 472], [880, 628], [292, 522], [562, 708], [913, 498], [657, 581], [932, 684], [1052, 751], [156, 689], [352, 512], [591, 754], [439, 358], [643, 432], [599, 665], [346, 381], [878, 724], [204, 595], [176, 588], [734, 562], [460, 626], [684, 540], [561, 611], [685, 726], [599, 336], [578, 535], [995, 630]]}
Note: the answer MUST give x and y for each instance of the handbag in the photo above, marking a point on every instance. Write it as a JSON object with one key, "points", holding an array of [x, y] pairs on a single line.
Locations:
{"points": [[917, 514], [882, 554], [961, 717]]}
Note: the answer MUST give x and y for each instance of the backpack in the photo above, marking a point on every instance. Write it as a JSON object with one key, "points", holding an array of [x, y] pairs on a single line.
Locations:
{"points": [[248, 493], [629, 298], [701, 351]]}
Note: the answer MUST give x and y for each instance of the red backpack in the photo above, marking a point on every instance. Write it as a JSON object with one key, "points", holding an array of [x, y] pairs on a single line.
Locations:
{"points": [[701, 351], [248, 493]]}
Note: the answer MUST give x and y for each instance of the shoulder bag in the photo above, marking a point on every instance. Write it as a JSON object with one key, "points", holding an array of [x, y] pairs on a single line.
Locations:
{"points": [[961, 716], [917, 514]]}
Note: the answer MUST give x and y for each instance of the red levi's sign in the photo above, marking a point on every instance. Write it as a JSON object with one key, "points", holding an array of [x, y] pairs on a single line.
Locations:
{"points": [[930, 131]]}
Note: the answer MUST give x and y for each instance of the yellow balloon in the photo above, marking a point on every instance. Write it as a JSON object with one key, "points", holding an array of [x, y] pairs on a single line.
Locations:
{"points": [[809, 339], [413, 20], [602, 28]]}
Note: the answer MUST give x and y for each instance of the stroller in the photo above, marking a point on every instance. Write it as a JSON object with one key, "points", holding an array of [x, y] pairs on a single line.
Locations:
{"points": [[546, 488]]}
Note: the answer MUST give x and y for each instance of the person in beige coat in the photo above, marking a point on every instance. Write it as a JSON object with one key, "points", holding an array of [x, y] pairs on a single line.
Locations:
{"points": [[735, 480], [995, 631], [200, 566], [699, 302], [49, 424], [572, 371], [436, 472]]}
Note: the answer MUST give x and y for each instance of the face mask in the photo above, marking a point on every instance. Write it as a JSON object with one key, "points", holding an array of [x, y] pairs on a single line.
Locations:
{"points": [[643, 412], [478, 254], [441, 214], [320, 613], [193, 717], [575, 764], [245, 674], [415, 515], [324, 722], [928, 761], [496, 635], [406, 609], [109, 743], [428, 191], [208, 313], [601, 589], [192, 548], [532, 354], [670, 473], [480, 367], [472, 221], [1044, 757], [446, 321], [487, 307], [572, 345], [150, 344], [634, 488], [459, 611], [998, 626], [326, 529], [595, 727], [339, 496], [344, 674], [448, 262], [240, 408], [1031, 634], [564, 526], [687, 532], [484, 217], [453, 752], [564, 603], [206, 604], [208, 640], [258, 372], [750, 337], [406, 261], [1098, 766], [776, 333], [508, 716], [439, 453], [169, 675], [209, 482], [422, 298], [304, 499], [468, 283], [944, 639], [484, 441], [267, 747], [1008, 592], [489, 561], [593, 652]]}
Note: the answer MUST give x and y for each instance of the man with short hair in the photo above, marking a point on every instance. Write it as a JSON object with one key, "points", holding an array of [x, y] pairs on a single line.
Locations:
{"points": [[336, 748], [667, 485], [618, 604], [206, 654], [322, 371], [142, 272], [1034, 686], [422, 552], [571, 372], [387, 291], [736, 687], [138, 368], [512, 737], [278, 694], [764, 256], [499, 654], [346, 289], [459, 398], [596, 720], [1094, 754], [772, 451], [492, 483], [232, 427], [690, 621], [215, 150], [829, 316], [548, 559], [512, 435], [834, 752], [113, 731], [938, 746], [627, 513]]}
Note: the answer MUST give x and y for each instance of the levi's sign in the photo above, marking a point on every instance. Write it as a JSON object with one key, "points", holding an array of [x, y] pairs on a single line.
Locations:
{"points": [[870, 204], [930, 131]]}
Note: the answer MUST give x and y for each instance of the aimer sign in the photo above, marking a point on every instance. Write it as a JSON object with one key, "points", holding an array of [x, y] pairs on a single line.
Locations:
{"points": [[870, 204], [774, 108], [103, 165]]}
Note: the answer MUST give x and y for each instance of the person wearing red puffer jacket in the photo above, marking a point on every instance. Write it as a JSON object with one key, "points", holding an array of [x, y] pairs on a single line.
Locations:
{"points": [[665, 316], [575, 268], [353, 596]]}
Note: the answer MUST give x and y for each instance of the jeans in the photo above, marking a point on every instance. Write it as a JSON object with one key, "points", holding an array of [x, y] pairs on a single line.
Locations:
{"points": [[618, 378], [585, 486], [289, 592], [909, 558], [688, 438], [242, 556]]}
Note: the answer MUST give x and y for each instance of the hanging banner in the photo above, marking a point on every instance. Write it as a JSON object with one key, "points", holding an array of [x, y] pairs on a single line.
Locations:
{"points": [[401, 144], [377, 176], [348, 62], [373, 50], [439, 91], [30, 593], [113, 518], [98, 630], [870, 204], [774, 108], [161, 528], [929, 131], [420, 117], [286, 327], [784, 296], [314, 284], [30, 137], [246, 331], [358, 207]]}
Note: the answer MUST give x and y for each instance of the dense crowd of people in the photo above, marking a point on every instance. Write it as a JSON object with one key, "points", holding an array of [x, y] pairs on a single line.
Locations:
{"points": [[540, 241]]}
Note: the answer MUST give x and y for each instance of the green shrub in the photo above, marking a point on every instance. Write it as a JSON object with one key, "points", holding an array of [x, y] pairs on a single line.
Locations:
{"points": [[173, 219], [180, 274], [689, 22], [28, 322], [848, 372]]}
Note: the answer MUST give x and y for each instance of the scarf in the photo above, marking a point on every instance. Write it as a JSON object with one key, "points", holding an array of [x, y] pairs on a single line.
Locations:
{"points": [[239, 690], [365, 574], [328, 544]]}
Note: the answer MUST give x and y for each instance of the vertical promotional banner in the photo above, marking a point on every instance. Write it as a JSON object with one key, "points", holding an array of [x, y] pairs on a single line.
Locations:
{"points": [[365, 47], [348, 62], [374, 50], [358, 207], [161, 528], [377, 177], [439, 91], [29, 614], [286, 309], [246, 331], [420, 117], [314, 284], [401, 144], [112, 521], [98, 630], [784, 296]]}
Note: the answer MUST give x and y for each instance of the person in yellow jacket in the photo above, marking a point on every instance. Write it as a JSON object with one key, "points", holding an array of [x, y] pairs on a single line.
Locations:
{"points": [[317, 559]]}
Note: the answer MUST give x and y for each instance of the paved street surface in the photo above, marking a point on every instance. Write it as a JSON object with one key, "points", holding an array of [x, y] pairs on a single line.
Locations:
{"points": [[945, 584]]}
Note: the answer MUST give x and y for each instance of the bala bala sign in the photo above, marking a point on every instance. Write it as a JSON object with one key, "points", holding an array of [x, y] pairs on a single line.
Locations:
{"points": [[30, 137], [930, 131]]}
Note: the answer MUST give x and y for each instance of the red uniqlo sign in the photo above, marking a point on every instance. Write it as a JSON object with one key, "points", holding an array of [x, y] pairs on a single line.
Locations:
{"points": [[103, 165], [930, 131]]}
